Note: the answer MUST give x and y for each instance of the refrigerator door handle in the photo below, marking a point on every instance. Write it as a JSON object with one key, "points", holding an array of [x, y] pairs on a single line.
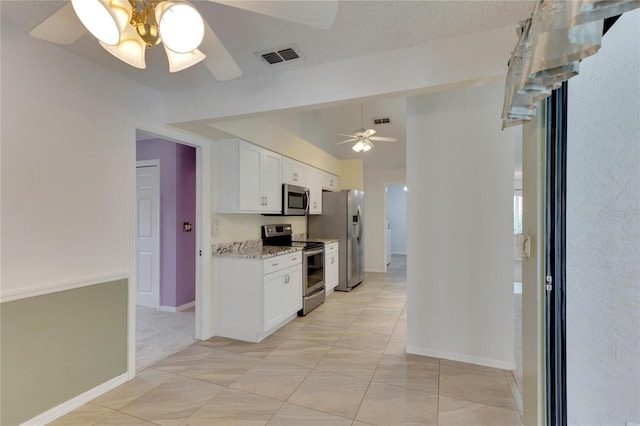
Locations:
{"points": [[359, 225]]}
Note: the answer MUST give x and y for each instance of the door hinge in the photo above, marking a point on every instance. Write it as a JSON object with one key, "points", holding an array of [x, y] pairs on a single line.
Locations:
{"points": [[549, 285]]}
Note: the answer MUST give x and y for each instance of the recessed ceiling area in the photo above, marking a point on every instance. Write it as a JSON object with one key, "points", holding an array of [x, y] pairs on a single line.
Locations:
{"points": [[361, 28]]}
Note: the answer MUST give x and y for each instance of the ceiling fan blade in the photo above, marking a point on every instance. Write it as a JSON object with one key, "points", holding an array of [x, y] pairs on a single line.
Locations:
{"points": [[348, 140], [369, 132], [63, 27], [218, 59], [319, 14], [383, 139], [349, 136]]}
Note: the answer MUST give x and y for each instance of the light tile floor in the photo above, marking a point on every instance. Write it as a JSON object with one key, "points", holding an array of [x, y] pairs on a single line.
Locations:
{"points": [[343, 364]]}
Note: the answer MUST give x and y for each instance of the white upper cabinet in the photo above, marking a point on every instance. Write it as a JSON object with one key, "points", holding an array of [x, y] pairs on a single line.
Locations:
{"points": [[248, 178], [329, 182], [272, 181], [314, 183], [294, 172]]}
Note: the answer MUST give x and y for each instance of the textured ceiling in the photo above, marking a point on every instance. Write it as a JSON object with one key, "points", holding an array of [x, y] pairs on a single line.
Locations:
{"points": [[361, 28]]}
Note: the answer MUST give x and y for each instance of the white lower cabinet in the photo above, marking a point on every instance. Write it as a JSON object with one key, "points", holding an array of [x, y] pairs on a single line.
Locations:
{"points": [[331, 276], [258, 296], [282, 292]]}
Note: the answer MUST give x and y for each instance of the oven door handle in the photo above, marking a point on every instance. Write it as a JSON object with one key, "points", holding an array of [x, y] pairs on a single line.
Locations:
{"points": [[309, 253]]}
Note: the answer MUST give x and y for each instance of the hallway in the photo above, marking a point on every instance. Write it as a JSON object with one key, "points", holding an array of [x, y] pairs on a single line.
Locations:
{"points": [[343, 364]]}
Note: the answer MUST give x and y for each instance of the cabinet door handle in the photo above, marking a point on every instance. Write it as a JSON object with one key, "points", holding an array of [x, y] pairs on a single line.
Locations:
{"points": [[275, 264], [293, 259]]}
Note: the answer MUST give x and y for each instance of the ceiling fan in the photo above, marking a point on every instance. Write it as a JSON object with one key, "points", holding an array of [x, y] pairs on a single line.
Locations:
{"points": [[126, 28], [363, 138]]}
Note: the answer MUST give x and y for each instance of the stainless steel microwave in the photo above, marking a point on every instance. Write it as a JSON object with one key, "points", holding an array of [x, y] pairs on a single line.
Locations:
{"points": [[295, 200]]}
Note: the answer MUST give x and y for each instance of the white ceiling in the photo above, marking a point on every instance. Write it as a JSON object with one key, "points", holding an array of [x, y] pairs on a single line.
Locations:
{"points": [[361, 28]]}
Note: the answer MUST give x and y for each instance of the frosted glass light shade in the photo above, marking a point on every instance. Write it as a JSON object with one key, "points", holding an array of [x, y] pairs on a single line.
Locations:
{"points": [[181, 26], [181, 61], [367, 147], [358, 147], [105, 19], [131, 48]]}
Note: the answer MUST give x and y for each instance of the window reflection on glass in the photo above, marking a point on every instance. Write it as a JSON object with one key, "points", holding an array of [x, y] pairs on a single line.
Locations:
{"points": [[517, 212]]}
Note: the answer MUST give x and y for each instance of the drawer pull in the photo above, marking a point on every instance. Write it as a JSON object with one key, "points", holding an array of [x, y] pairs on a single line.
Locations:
{"points": [[275, 264], [293, 259]]}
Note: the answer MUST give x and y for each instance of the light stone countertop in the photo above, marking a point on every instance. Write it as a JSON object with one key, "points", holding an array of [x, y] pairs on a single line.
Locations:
{"points": [[251, 250]]}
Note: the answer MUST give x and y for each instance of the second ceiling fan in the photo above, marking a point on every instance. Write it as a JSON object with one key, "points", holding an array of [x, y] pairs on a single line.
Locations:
{"points": [[363, 138]]}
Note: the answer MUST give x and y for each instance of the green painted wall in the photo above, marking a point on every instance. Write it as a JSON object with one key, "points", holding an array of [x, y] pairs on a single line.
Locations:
{"points": [[57, 346]]}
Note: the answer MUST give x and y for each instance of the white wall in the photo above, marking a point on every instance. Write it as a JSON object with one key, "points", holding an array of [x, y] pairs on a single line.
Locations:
{"points": [[478, 57], [459, 255], [603, 232], [68, 146], [397, 214], [375, 215]]}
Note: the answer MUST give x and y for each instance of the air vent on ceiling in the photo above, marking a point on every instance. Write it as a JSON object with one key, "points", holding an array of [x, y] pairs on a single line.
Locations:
{"points": [[280, 54], [384, 120]]}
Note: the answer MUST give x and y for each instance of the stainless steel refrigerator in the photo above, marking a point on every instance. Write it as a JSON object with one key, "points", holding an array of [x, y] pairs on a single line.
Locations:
{"points": [[342, 218]]}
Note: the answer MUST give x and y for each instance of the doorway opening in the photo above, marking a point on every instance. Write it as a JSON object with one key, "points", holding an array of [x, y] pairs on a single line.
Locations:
{"points": [[395, 240], [166, 258]]}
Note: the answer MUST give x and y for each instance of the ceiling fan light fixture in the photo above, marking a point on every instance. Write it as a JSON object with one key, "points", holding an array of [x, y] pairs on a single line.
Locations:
{"points": [[105, 19], [359, 146], [181, 26], [181, 61], [367, 146], [131, 49]]}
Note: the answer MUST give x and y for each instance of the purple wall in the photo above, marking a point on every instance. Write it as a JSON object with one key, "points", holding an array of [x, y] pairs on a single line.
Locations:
{"points": [[177, 205]]}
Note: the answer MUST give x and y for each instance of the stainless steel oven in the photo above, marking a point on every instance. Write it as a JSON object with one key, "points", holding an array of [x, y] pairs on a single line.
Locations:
{"points": [[312, 276]]}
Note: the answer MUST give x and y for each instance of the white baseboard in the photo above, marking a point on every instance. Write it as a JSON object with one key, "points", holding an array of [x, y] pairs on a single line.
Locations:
{"points": [[62, 409], [486, 362], [178, 308]]}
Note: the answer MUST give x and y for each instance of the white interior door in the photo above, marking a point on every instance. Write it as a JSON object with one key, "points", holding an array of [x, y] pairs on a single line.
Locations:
{"points": [[148, 237]]}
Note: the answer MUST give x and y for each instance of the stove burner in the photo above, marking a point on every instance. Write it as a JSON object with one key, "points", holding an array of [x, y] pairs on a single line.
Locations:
{"points": [[281, 235]]}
